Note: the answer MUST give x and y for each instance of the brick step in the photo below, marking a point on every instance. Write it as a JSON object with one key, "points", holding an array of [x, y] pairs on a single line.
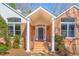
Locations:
{"points": [[40, 50], [37, 51], [39, 47], [38, 44]]}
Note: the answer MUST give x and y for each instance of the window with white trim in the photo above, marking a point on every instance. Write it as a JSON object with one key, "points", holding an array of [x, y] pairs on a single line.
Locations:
{"points": [[13, 27], [67, 27]]}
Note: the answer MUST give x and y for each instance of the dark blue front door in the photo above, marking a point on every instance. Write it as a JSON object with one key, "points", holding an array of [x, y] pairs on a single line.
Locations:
{"points": [[40, 33]]}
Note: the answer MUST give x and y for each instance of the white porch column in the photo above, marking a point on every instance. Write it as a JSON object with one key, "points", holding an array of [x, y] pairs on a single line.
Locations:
{"points": [[36, 33], [45, 33], [28, 36], [53, 36]]}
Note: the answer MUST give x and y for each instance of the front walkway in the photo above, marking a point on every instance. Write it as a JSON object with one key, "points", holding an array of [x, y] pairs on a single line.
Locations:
{"points": [[22, 52]]}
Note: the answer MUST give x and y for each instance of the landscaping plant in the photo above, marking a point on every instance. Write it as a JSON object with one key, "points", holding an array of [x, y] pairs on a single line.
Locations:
{"points": [[59, 45], [3, 48], [4, 35], [16, 41], [3, 28]]}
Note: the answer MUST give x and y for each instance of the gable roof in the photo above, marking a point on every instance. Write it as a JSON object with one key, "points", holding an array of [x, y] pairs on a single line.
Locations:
{"points": [[37, 10], [13, 10], [74, 6]]}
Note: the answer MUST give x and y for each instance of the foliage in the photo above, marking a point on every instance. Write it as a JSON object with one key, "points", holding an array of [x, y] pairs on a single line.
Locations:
{"points": [[59, 45], [3, 28], [13, 5], [16, 41], [8, 41], [3, 34], [3, 48]]}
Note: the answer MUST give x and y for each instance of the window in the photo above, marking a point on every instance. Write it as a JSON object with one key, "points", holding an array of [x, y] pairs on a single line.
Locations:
{"points": [[14, 19], [67, 20], [13, 29], [64, 30], [10, 30], [71, 30], [67, 27], [14, 26], [17, 29]]}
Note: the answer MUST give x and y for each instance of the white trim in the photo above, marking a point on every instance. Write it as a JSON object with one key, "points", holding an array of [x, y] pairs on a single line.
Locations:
{"points": [[53, 35], [28, 36], [13, 29], [36, 36], [43, 10], [67, 10], [45, 38], [14, 22]]}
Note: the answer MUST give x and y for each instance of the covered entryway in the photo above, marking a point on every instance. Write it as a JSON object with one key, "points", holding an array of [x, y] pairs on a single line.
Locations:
{"points": [[40, 25]]}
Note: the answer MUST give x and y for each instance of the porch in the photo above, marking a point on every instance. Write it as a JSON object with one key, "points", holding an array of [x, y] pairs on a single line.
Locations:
{"points": [[40, 31]]}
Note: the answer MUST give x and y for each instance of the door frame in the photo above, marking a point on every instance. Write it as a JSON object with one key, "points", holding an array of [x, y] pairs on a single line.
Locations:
{"points": [[44, 32]]}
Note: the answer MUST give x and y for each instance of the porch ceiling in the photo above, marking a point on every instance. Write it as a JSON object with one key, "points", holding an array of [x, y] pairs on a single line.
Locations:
{"points": [[40, 18]]}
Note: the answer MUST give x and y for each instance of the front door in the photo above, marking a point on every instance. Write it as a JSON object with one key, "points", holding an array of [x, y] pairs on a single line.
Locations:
{"points": [[40, 33]]}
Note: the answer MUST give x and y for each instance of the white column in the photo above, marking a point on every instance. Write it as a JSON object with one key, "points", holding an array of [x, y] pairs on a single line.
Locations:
{"points": [[36, 33], [45, 33], [13, 29], [53, 36], [28, 36]]}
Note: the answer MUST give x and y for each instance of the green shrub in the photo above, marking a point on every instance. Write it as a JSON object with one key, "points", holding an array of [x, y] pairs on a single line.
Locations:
{"points": [[16, 41], [3, 27], [8, 41], [3, 49], [59, 45], [58, 40]]}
